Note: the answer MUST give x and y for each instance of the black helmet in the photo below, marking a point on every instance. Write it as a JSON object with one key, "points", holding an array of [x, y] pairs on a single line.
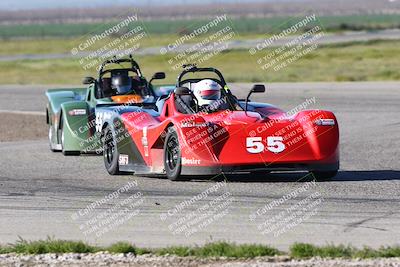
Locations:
{"points": [[121, 83]]}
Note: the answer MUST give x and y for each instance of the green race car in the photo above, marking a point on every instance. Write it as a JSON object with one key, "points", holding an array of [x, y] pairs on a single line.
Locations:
{"points": [[71, 112]]}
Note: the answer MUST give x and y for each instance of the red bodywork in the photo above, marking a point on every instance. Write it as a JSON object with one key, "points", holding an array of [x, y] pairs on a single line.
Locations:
{"points": [[237, 140]]}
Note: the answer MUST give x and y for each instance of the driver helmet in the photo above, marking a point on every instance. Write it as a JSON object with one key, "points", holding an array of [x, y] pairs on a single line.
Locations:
{"points": [[207, 92], [121, 84]]}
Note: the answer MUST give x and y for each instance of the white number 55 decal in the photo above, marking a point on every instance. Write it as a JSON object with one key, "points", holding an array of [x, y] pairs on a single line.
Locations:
{"points": [[275, 144], [255, 145]]}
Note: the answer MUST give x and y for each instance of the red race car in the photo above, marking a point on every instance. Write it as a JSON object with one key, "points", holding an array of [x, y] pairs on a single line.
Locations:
{"points": [[201, 128]]}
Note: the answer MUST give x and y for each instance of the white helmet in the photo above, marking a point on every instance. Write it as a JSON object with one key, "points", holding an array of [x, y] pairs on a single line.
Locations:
{"points": [[207, 92]]}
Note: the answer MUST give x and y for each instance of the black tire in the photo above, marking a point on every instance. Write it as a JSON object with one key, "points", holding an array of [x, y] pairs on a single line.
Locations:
{"points": [[61, 138], [172, 156], [324, 175], [110, 152]]}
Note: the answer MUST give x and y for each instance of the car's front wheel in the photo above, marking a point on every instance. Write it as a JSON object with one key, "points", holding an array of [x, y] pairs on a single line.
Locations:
{"points": [[110, 152], [172, 156]]}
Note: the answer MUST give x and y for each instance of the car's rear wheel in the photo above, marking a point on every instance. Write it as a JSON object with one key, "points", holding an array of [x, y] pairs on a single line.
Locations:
{"points": [[110, 152], [172, 156], [324, 175]]}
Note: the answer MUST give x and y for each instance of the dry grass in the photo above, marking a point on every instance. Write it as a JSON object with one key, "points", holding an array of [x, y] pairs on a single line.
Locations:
{"points": [[352, 62]]}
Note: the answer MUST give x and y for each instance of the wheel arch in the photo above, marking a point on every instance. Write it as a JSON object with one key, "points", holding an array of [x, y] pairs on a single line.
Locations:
{"points": [[75, 139], [159, 143]]}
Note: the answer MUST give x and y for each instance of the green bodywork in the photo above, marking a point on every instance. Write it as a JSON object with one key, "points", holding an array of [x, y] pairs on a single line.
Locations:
{"points": [[75, 134]]}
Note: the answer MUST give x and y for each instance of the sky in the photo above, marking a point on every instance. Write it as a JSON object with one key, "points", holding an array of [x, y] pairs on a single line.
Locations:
{"points": [[39, 4]]}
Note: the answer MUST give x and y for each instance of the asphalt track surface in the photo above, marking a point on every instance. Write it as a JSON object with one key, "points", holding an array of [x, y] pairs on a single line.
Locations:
{"points": [[41, 191], [329, 38]]}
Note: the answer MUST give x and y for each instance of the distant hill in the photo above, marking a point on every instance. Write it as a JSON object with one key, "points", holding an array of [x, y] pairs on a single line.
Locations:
{"points": [[78, 11], [51, 4]]}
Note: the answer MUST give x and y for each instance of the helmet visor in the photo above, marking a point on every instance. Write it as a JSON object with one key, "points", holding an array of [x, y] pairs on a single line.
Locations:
{"points": [[122, 84], [123, 89], [210, 94]]}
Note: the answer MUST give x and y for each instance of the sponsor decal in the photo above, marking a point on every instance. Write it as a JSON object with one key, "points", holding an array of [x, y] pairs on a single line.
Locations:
{"points": [[325, 122], [123, 159], [191, 161], [191, 124], [77, 112]]}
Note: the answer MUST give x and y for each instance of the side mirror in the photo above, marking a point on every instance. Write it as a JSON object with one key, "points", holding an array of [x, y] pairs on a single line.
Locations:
{"points": [[88, 80], [257, 88], [158, 76]]}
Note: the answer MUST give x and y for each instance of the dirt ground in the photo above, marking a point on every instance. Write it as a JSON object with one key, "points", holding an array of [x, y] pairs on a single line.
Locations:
{"points": [[16, 127]]}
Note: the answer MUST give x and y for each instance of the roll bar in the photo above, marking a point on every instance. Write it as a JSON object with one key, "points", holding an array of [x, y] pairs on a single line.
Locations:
{"points": [[191, 68], [115, 60]]}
